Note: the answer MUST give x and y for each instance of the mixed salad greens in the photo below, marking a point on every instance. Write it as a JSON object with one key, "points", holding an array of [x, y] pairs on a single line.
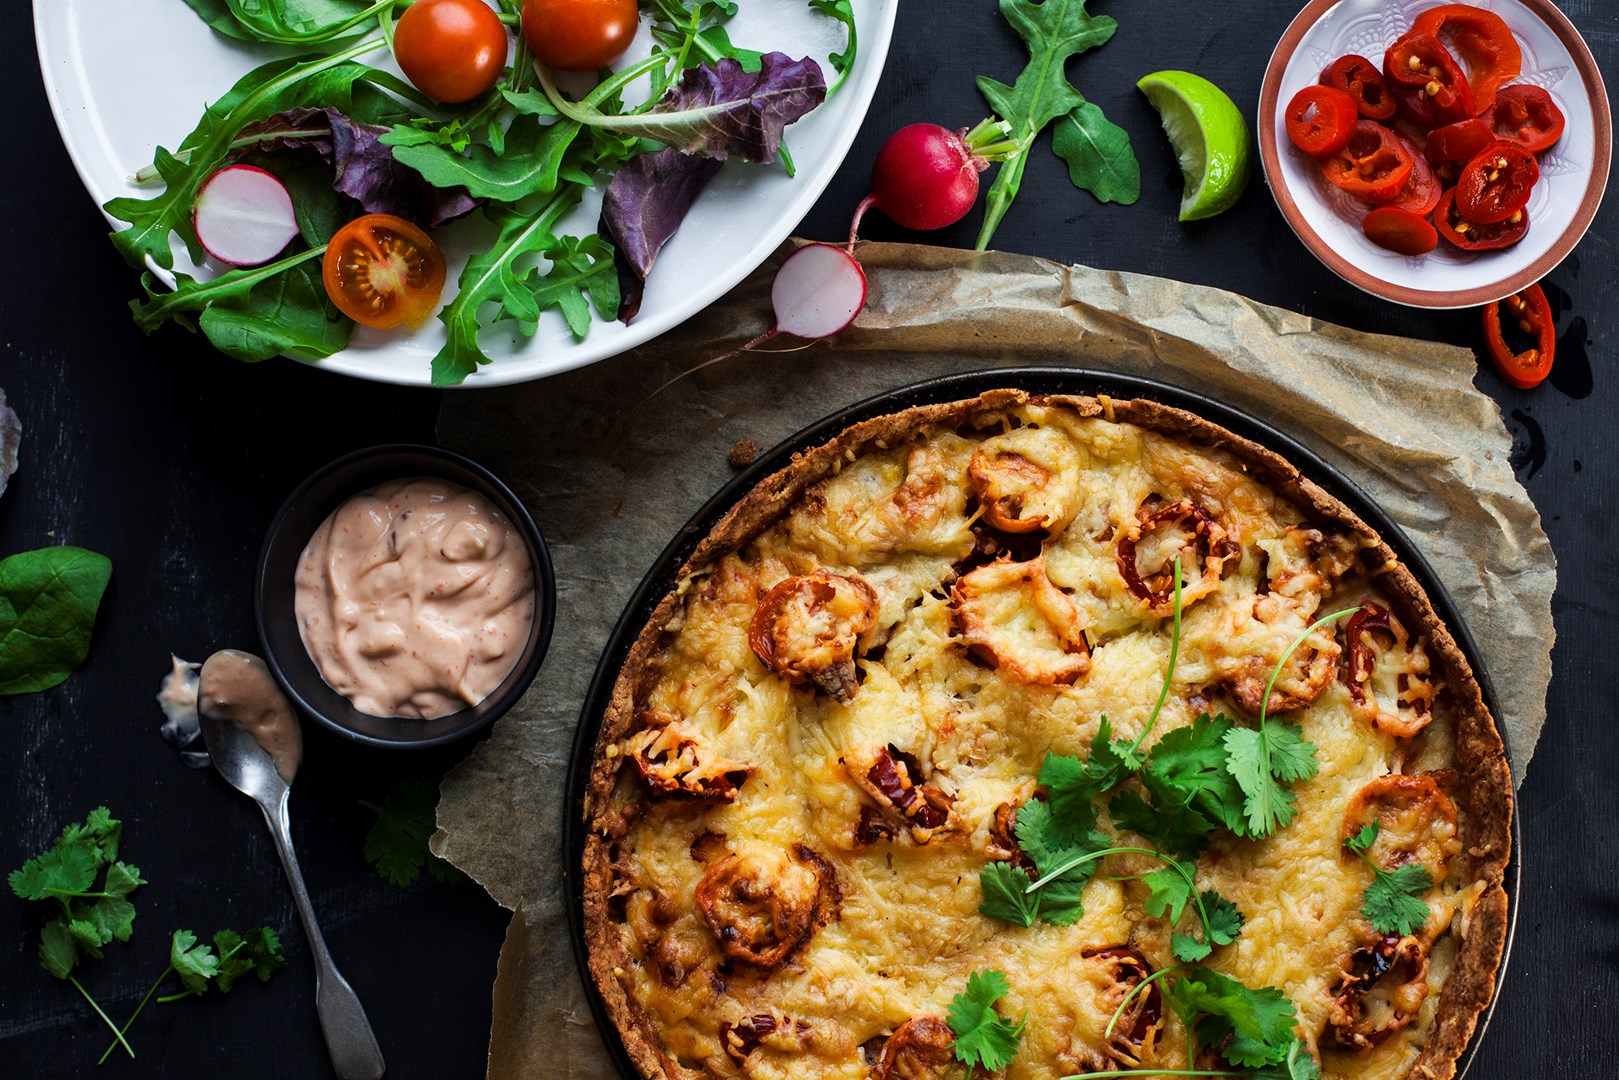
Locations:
{"points": [[371, 162]]}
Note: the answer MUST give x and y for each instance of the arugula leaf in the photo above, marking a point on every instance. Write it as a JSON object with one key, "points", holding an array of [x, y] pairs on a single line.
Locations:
{"points": [[1098, 154], [195, 964], [397, 843], [1249, 1027], [528, 163], [580, 267], [983, 1039], [1054, 31], [1393, 903], [842, 62], [1006, 894], [48, 604]]}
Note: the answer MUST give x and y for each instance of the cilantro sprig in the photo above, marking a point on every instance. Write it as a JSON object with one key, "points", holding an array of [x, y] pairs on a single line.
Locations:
{"points": [[983, 1037], [396, 844], [87, 919], [1393, 903]]}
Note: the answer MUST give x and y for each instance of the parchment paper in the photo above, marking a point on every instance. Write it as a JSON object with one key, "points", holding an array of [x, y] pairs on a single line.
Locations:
{"points": [[612, 459]]}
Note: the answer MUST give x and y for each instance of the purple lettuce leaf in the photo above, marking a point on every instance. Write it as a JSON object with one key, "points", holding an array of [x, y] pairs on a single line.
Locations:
{"points": [[643, 206], [10, 437], [362, 167], [720, 110]]}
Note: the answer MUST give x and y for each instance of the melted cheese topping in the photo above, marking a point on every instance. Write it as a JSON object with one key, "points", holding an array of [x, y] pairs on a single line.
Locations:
{"points": [[906, 932]]}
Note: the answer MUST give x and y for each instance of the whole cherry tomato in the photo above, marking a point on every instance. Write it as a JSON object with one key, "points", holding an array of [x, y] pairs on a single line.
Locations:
{"points": [[1360, 79], [1525, 115], [579, 35], [1400, 231], [1461, 141], [1484, 41], [1470, 235], [1533, 314], [1430, 86], [1320, 120], [452, 50], [1422, 189], [1496, 183], [382, 271], [1374, 165]]}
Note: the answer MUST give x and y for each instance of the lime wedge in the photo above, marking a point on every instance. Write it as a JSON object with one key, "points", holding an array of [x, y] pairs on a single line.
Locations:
{"points": [[1209, 136]]}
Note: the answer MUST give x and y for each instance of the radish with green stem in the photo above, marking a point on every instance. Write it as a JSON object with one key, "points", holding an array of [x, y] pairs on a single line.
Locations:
{"points": [[926, 176], [244, 216]]}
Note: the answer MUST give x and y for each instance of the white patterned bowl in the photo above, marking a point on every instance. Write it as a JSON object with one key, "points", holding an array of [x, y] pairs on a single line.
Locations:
{"points": [[1328, 220]]}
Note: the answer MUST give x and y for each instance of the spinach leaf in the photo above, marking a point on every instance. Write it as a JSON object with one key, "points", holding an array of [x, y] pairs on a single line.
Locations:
{"points": [[1098, 153], [48, 603], [290, 22]]}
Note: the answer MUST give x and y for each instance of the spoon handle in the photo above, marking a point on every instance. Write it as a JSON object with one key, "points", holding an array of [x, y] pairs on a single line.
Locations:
{"points": [[353, 1048]]}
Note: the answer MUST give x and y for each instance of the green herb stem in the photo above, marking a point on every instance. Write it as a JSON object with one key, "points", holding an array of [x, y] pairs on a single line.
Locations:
{"points": [[585, 111], [1134, 990], [1264, 704], [1169, 672], [119, 1035], [201, 296], [1081, 860], [148, 174], [128, 1023]]}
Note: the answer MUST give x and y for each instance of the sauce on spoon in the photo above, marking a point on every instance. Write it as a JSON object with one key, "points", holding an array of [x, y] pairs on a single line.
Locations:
{"points": [[237, 686]]}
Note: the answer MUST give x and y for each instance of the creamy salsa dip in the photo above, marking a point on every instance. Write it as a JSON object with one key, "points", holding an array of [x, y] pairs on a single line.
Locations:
{"points": [[415, 598]]}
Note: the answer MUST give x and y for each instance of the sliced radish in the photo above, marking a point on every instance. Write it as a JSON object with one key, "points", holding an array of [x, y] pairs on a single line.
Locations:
{"points": [[244, 216], [819, 289]]}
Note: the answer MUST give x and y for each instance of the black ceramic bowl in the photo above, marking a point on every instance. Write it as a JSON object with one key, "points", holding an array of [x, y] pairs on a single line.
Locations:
{"points": [[303, 512]]}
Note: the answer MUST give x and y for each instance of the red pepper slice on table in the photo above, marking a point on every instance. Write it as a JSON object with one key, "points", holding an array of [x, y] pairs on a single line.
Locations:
{"points": [[1533, 315], [1430, 87], [1526, 116], [1461, 141], [1496, 184], [1362, 81], [1400, 231], [1422, 190], [1374, 165], [1483, 40], [1472, 236], [1320, 120]]}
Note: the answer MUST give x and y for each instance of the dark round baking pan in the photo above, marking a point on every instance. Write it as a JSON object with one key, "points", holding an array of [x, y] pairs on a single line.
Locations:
{"points": [[1035, 380], [305, 509]]}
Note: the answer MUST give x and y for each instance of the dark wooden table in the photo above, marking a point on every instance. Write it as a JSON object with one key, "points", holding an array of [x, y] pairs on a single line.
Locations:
{"points": [[171, 459]]}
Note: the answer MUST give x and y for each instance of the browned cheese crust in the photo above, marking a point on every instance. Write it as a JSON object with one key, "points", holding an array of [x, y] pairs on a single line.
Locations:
{"points": [[619, 796]]}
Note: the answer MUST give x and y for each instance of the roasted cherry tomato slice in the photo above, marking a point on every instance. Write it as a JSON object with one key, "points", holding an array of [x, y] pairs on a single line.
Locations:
{"points": [[1374, 165], [1496, 184], [1320, 120], [1533, 315], [1484, 42], [382, 271], [452, 50], [1525, 116], [1400, 231], [1361, 80], [1430, 87], [1471, 236], [579, 35], [1422, 190], [1461, 141]]}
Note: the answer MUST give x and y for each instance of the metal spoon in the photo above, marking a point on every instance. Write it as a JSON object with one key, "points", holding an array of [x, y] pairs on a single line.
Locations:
{"points": [[236, 698]]}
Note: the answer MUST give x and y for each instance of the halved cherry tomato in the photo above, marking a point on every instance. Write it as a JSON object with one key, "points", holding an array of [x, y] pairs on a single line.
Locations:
{"points": [[1484, 41], [1320, 120], [1400, 231], [1533, 315], [1430, 87], [1525, 115], [1373, 166], [1422, 190], [452, 50], [1471, 236], [1361, 80], [1461, 141], [382, 271], [579, 35], [1496, 184]]}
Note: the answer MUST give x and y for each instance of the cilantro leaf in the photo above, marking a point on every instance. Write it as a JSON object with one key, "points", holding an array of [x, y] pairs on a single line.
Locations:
{"points": [[1297, 1065], [1072, 785], [85, 918], [1170, 891], [1006, 896], [195, 964], [397, 843], [257, 953], [58, 949], [1267, 805], [62, 870], [1291, 758], [1187, 949], [1225, 921], [1364, 839], [1251, 1028], [1053, 848], [982, 1037], [1393, 902], [1179, 830]]}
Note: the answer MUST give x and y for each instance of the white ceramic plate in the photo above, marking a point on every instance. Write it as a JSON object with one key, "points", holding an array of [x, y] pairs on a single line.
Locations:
{"points": [[126, 76], [1328, 220]]}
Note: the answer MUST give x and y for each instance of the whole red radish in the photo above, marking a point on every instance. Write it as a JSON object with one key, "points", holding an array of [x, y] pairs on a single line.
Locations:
{"points": [[926, 177]]}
